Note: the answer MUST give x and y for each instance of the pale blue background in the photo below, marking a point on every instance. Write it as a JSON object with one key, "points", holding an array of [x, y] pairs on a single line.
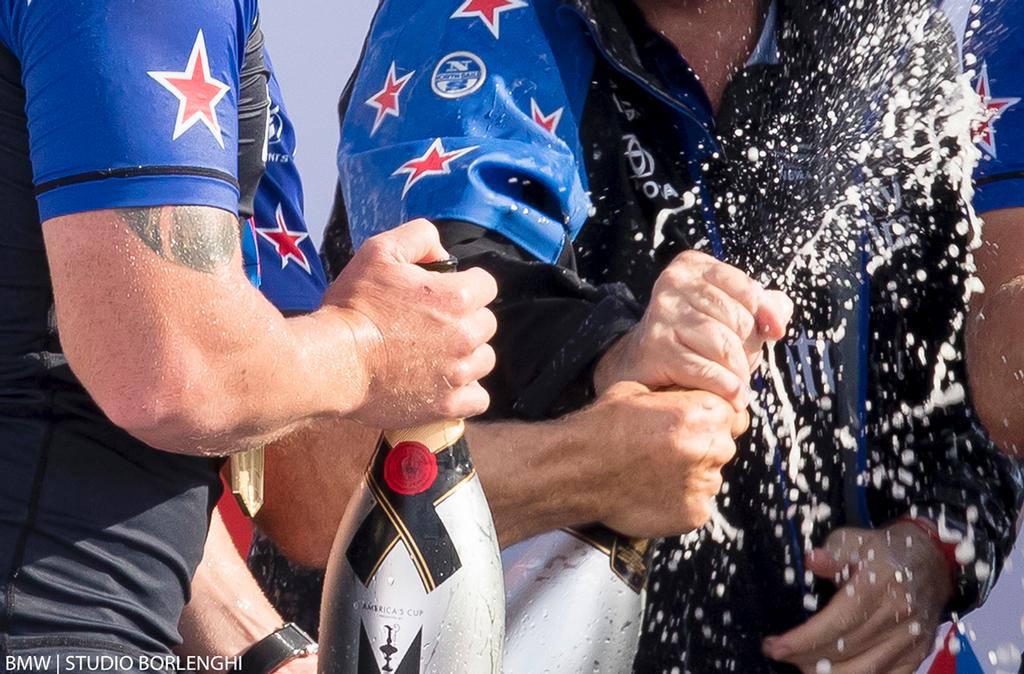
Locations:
{"points": [[315, 45]]}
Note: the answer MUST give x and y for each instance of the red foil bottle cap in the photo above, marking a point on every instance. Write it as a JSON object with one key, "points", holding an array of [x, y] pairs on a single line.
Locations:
{"points": [[410, 468]]}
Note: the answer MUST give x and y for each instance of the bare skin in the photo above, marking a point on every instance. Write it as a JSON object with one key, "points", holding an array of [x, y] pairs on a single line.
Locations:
{"points": [[716, 37], [888, 608], [538, 476], [162, 327], [212, 624], [995, 351], [704, 329], [672, 397]]}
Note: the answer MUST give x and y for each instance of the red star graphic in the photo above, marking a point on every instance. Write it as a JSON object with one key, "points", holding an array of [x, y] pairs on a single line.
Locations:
{"points": [[385, 101], [435, 162], [547, 122], [985, 133], [286, 241], [488, 11], [197, 91]]}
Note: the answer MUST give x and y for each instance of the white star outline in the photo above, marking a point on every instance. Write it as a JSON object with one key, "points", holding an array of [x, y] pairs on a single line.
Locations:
{"points": [[164, 77], [382, 112], [282, 227], [1000, 105], [446, 158]]}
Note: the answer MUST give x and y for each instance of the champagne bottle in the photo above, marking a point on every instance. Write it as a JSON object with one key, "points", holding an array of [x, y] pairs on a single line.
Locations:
{"points": [[414, 582], [575, 602]]}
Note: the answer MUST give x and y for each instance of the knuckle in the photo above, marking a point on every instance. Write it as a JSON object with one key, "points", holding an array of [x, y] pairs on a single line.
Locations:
{"points": [[376, 245], [750, 291], [692, 257], [676, 276], [487, 283], [680, 454], [464, 341], [488, 323], [488, 356], [719, 412], [682, 417], [455, 298], [460, 373], [450, 407], [461, 298], [745, 322], [725, 450], [664, 304], [710, 373], [484, 401], [728, 344]]}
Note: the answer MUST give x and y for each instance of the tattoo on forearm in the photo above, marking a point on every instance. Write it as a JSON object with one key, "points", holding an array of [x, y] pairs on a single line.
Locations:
{"points": [[194, 237]]}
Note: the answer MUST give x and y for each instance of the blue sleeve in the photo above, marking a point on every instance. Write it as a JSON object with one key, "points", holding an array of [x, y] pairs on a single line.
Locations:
{"points": [[469, 115], [131, 103], [994, 52], [290, 273]]}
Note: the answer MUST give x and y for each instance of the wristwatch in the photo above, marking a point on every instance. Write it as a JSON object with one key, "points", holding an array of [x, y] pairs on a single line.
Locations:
{"points": [[273, 652]]}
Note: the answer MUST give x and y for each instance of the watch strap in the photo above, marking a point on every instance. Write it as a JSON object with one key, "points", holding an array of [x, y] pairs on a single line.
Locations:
{"points": [[274, 651]]}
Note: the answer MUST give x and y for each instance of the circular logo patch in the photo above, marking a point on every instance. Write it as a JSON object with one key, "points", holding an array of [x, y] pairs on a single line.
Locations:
{"points": [[458, 74], [410, 468]]}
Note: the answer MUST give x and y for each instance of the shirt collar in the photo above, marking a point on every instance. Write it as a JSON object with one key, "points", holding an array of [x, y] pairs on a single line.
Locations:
{"points": [[767, 50]]}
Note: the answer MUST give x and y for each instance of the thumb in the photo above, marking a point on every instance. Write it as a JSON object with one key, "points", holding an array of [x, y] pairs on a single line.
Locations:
{"points": [[623, 389], [842, 550], [414, 242], [740, 424], [823, 565], [774, 312]]}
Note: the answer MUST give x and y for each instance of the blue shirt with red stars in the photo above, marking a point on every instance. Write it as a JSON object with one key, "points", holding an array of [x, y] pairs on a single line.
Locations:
{"points": [[280, 251], [122, 116], [572, 125], [453, 124], [992, 50], [105, 104]]}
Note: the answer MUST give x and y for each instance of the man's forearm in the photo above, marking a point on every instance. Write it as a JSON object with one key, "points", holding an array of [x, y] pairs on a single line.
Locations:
{"points": [[532, 482], [263, 377], [177, 347], [644, 463], [995, 357], [228, 612]]}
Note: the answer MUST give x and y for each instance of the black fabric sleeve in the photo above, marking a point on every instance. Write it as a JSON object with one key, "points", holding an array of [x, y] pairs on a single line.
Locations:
{"points": [[961, 481], [552, 325], [976, 491], [253, 109]]}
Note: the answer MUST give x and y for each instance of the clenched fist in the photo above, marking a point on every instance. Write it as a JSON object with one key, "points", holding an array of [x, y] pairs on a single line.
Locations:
{"points": [[704, 329], [424, 334], [660, 455]]}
